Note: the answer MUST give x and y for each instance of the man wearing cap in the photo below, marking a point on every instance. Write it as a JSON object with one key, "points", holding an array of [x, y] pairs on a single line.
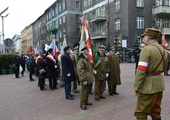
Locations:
{"points": [[74, 58], [51, 69], [86, 77], [114, 72], [68, 73], [149, 82], [102, 73]]}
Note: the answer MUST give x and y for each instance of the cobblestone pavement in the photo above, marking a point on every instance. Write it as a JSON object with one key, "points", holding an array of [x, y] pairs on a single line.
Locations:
{"points": [[21, 99]]}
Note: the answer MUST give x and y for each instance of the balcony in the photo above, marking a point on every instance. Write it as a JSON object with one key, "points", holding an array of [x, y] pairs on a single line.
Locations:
{"points": [[166, 31], [98, 35], [53, 28], [98, 18], [161, 10]]}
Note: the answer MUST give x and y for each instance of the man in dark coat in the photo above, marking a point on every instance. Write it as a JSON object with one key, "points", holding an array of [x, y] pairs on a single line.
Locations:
{"points": [[17, 61], [67, 72], [51, 69]]}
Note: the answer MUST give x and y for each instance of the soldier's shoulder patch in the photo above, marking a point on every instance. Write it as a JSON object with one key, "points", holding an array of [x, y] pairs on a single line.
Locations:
{"points": [[79, 66]]}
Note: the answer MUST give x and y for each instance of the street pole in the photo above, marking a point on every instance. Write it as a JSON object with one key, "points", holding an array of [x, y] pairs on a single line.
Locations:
{"points": [[3, 38], [3, 28]]}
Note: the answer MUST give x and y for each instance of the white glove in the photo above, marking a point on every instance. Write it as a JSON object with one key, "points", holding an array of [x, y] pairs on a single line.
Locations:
{"points": [[94, 71], [68, 75], [107, 75], [55, 66]]}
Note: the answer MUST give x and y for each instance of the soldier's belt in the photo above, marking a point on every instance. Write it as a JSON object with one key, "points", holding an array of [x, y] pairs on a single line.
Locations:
{"points": [[153, 74]]}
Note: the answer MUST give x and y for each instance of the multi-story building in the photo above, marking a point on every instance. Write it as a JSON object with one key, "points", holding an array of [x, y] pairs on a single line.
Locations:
{"points": [[111, 21], [17, 43], [27, 40], [161, 12], [39, 31], [63, 19]]}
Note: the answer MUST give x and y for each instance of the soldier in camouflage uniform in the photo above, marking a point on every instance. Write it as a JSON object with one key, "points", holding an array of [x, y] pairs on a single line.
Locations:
{"points": [[86, 77], [149, 82], [102, 74], [74, 58]]}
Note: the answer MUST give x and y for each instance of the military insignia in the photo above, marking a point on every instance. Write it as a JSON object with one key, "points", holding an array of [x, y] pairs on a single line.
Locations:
{"points": [[79, 66]]}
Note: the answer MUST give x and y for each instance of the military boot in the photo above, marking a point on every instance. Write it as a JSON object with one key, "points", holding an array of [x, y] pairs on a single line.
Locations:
{"points": [[141, 118]]}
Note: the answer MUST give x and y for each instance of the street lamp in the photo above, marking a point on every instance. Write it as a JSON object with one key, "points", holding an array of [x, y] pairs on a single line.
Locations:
{"points": [[3, 32], [3, 27]]}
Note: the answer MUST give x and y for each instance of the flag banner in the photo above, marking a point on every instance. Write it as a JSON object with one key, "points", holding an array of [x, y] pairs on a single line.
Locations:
{"points": [[86, 41], [164, 42], [56, 51], [47, 47], [63, 45]]}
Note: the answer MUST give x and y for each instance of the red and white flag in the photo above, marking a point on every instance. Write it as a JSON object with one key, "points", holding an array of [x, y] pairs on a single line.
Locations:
{"points": [[164, 42]]}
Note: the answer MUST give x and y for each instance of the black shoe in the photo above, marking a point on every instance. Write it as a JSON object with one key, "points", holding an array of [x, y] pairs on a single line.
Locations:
{"points": [[83, 107], [91, 93], [102, 97], [32, 80], [44, 89], [17, 77], [51, 89], [89, 104], [115, 93], [70, 98], [55, 88], [45, 85], [72, 95], [111, 94], [96, 98]]}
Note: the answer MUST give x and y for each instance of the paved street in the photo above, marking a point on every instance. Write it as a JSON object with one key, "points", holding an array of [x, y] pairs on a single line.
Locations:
{"points": [[21, 99]]}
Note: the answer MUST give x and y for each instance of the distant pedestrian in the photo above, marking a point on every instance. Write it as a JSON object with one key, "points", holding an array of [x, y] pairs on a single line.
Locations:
{"points": [[149, 82], [68, 73], [17, 62], [23, 64]]}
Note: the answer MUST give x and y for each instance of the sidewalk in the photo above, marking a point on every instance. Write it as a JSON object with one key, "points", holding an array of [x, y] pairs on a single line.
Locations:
{"points": [[21, 99]]}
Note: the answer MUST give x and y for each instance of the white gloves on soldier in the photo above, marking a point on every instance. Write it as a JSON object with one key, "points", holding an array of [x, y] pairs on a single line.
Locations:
{"points": [[68, 75], [107, 75], [55, 66], [94, 72]]}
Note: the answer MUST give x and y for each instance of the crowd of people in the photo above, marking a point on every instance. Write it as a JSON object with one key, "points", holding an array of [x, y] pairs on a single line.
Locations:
{"points": [[75, 69]]}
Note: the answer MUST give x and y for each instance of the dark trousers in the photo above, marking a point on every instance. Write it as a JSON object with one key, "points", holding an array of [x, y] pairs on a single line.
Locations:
{"points": [[68, 89], [31, 72], [52, 83], [41, 81], [84, 96], [112, 89], [17, 70]]}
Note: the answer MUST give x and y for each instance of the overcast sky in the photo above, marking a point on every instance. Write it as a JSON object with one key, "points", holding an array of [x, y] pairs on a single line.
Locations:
{"points": [[21, 14]]}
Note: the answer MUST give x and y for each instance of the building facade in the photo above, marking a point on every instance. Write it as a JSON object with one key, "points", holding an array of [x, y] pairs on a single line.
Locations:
{"points": [[63, 19], [161, 13], [112, 21], [17, 43], [27, 40]]}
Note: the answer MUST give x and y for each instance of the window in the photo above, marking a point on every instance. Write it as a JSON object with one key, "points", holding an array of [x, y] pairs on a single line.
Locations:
{"points": [[117, 24], [77, 4], [59, 7], [52, 12], [140, 22], [90, 3], [64, 19], [85, 3], [103, 10], [165, 23], [117, 5], [56, 10], [139, 3], [158, 2], [64, 4], [158, 22], [60, 34], [167, 2], [60, 21], [49, 15], [77, 18]]}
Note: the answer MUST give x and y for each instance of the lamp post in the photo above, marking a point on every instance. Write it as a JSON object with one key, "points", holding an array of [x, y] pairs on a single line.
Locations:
{"points": [[3, 27], [3, 32]]}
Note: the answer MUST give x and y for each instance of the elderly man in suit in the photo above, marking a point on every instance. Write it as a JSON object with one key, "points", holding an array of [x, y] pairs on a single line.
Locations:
{"points": [[67, 72]]}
